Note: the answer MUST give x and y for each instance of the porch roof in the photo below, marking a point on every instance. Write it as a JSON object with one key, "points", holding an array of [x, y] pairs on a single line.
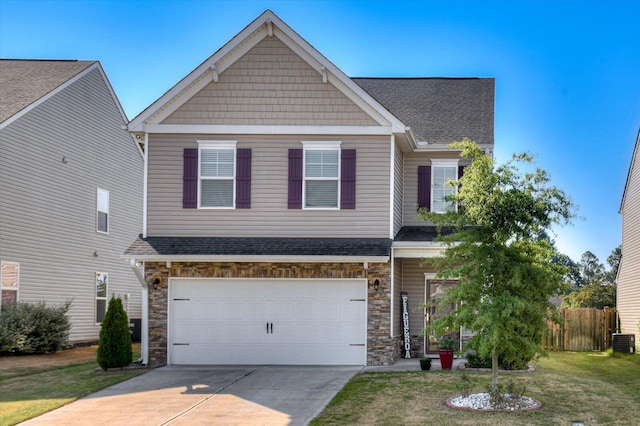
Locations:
{"points": [[260, 249]]}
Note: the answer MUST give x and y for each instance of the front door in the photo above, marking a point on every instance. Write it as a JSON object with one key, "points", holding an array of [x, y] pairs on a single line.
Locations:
{"points": [[434, 291]]}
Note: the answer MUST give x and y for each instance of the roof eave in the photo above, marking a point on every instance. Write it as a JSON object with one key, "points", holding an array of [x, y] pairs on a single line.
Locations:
{"points": [[255, 258]]}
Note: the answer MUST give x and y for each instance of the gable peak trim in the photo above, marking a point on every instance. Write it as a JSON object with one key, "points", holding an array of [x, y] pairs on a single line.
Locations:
{"points": [[268, 24]]}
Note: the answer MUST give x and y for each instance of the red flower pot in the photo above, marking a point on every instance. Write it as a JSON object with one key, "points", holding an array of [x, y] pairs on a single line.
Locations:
{"points": [[446, 358]]}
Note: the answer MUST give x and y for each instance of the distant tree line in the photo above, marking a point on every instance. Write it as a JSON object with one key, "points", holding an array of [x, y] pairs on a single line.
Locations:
{"points": [[588, 282]]}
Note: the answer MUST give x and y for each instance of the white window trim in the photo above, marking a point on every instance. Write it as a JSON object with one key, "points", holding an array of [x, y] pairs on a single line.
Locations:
{"points": [[17, 289], [326, 146], [441, 162], [215, 144], [105, 298], [98, 211]]}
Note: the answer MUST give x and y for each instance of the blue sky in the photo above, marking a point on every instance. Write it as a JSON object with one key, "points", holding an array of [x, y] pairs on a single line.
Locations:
{"points": [[567, 71]]}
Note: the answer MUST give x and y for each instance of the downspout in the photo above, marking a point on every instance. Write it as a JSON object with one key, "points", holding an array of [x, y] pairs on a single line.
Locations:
{"points": [[144, 321], [144, 186]]}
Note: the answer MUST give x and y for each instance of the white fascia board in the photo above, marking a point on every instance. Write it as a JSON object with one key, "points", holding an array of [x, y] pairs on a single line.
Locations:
{"points": [[236, 48], [201, 76], [224, 129], [257, 258], [338, 78], [631, 167]]}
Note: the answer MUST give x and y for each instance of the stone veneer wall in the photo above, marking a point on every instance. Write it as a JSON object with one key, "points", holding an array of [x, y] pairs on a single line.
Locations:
{"points": [[382, 349]]}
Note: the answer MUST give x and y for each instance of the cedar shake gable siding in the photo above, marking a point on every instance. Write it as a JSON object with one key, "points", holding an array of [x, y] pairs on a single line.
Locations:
{"points": [[270, 85]]}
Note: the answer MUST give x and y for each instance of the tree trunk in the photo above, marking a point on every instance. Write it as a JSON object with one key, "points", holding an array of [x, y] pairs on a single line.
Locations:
{"points": [[494, 370]]}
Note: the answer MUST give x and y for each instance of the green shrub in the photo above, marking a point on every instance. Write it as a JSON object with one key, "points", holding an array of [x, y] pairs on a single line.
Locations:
{"points": [[476, 361], [34, 328], [114, 348]]}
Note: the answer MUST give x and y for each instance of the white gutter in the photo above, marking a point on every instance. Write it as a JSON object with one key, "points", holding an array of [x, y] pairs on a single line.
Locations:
{"points": [[144, 321], [258, 258]]}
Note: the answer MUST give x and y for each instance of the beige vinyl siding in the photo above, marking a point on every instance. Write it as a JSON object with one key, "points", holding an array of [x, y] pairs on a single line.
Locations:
{"points": [[48, 206], [398, 182], [410, 205], [268, 215], [411, 163], [413, 283], [270, 85], [628, 285]]}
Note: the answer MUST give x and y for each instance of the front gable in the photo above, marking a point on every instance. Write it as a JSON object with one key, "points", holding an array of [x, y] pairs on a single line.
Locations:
{"points": [[267, 79], [270, 85]]}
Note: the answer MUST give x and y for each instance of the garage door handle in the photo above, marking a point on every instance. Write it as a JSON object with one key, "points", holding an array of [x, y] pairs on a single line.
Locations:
{"points": [[269, 328]]}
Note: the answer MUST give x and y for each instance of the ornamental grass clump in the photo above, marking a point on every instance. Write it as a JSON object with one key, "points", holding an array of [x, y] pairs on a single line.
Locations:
{"points": [[114, 350]]}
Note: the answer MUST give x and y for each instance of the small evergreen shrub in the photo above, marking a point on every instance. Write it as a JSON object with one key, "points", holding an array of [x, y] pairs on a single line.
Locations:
{"points": [[114, 347], [34, 328]]}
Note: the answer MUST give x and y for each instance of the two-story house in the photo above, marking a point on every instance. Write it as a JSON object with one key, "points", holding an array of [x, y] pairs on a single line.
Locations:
{"points": [[628, 280], [281, 201], [70, 191]]}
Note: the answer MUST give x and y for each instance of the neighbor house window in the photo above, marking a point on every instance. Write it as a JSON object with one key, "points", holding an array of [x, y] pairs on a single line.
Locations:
{"points": [[442, 171], [101, 295], [9, 282], [321, 175], [102, 207], [217, 173]]}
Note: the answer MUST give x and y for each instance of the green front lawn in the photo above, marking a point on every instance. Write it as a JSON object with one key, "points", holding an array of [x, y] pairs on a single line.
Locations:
{"points": [[29, 392], [591, 388]]}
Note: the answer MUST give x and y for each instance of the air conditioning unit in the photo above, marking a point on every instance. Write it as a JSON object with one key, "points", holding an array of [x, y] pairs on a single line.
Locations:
{"points": [[625, 343]]}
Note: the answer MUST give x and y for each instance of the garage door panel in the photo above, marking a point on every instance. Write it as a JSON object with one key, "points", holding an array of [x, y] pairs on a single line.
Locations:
{"points": [[277, 322]]}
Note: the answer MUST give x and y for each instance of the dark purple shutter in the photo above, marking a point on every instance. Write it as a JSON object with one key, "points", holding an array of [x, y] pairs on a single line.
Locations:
{"points": [[295, 178], [348, 179], [243, 178], [424, 187], [190, 178], [461, 171], [460, 174]]}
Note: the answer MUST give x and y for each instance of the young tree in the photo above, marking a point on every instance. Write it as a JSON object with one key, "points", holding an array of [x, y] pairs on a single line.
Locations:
{"points": [[498, 254], [590, 268], [614, 263], [596, 294], [114, 347]]}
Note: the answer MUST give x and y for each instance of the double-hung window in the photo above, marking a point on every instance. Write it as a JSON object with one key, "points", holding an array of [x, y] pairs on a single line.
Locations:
{"points": [[321, 175], [102, 211], [101, 295], [9, 282], [443, 171], [217, 173]]}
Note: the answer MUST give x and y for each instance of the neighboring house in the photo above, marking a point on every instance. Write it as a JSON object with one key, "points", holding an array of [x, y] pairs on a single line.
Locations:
{"points": [[628, 281], [281, 201], [71, 181]]}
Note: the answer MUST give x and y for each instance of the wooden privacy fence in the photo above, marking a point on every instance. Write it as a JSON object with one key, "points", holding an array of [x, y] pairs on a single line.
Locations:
{"points": [[581, 330]]}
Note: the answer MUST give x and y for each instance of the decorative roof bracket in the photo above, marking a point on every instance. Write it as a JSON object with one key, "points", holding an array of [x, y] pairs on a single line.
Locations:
{"points": [[214, 71], [323, 71]]}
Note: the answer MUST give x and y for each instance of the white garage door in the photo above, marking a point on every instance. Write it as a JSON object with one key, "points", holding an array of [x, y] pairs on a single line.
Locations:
{"points": [[307, 322]]}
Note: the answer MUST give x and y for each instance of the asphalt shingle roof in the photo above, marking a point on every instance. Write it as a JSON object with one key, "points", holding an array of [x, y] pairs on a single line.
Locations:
{"points": [[438, 110], [24, 81], [420, 233], [199, 246]]}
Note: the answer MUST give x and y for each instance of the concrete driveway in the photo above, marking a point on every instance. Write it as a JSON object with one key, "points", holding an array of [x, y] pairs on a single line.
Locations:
{"points": [[220, 395]]}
